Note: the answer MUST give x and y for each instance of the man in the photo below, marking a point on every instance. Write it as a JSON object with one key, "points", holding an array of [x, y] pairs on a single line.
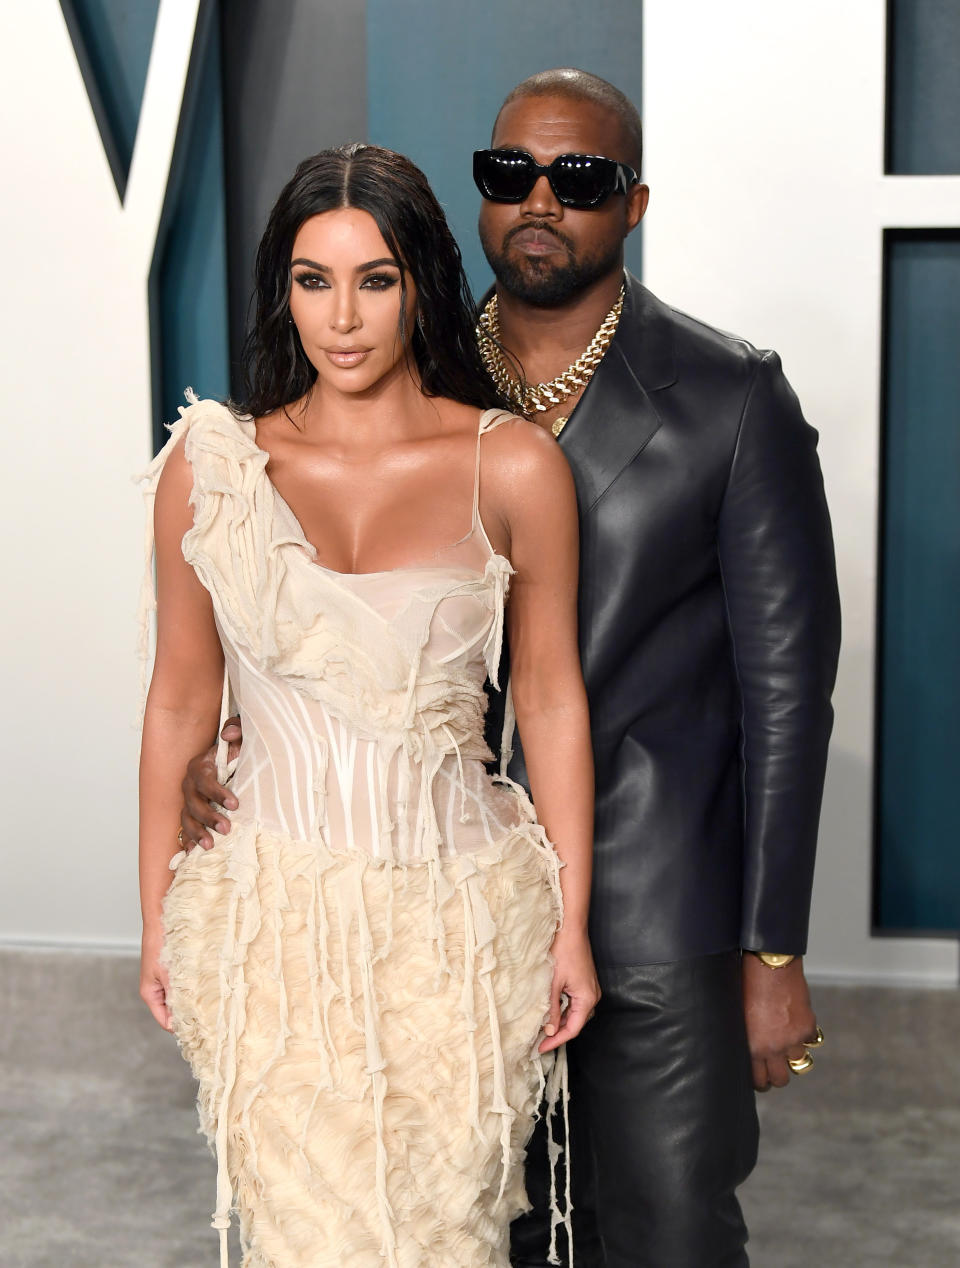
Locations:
{"points": [[709, 633]]}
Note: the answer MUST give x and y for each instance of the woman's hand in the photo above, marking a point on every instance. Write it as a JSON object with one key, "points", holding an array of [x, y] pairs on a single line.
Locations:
{"points": [[575, 977], [154, 979]]}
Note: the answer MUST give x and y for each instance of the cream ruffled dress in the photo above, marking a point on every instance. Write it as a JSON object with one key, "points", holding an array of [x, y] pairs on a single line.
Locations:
{"points": [[360, 971]]}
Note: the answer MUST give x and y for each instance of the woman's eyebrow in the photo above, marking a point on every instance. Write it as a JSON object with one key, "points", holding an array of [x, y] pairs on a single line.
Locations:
{"points": [[361, 268], [376, 264]]}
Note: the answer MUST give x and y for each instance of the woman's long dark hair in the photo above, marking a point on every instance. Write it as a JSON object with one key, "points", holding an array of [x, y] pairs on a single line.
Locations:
{"points": [[274, 366]]}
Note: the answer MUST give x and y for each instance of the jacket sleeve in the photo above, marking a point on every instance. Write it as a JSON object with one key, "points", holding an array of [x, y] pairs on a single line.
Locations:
{"points": [[780, 586]]}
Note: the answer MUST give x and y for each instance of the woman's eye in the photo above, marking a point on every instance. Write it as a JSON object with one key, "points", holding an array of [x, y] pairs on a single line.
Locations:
{"points": [[310, 281], [380, 281]]}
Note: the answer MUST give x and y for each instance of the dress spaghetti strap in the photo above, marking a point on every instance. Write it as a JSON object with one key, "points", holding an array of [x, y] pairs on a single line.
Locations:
{"points": [[489, 419]]}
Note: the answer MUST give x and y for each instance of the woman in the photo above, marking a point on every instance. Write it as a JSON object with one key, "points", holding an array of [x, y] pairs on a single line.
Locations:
{"points": [[360, 975]]}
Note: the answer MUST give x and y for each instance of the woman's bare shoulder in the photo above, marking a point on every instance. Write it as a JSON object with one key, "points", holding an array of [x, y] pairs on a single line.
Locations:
{"points": [[519, 449]]}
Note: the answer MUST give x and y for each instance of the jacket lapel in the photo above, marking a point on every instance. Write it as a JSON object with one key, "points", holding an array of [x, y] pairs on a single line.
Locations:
{"points": [[616, 416]]}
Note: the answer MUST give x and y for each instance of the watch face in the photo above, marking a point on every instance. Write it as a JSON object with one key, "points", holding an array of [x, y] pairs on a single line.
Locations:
{"points": [[774, 961]]}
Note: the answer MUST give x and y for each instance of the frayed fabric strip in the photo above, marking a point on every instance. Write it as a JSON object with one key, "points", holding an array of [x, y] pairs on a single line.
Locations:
{"points": [[393, 1024], [558, 1091]]}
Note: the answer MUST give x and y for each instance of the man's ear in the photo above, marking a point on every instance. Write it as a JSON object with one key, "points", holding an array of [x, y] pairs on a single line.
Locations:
{"points": [[637, 197]]}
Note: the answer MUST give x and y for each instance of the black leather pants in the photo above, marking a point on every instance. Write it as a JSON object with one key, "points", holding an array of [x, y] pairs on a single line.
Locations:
{"points": [[663, 1125]]}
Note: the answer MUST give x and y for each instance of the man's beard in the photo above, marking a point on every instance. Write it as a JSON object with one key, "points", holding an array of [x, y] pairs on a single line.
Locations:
{"points": [[541, 284]]}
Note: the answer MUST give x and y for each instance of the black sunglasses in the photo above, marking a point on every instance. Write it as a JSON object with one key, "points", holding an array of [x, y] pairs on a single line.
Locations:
{"points": [[578, 180]]}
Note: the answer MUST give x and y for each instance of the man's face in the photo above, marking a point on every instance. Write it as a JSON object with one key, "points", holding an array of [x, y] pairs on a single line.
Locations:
{"points": [[540, 251]]}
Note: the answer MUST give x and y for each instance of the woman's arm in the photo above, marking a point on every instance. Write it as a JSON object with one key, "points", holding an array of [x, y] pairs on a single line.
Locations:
{"points": [[540, 510], [182, 711]]}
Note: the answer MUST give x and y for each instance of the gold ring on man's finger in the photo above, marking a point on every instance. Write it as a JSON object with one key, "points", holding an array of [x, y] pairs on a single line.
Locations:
{"points": [[816, 1041], [800, 1065]]}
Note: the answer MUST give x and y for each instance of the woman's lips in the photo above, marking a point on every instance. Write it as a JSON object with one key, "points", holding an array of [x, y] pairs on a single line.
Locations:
{"points": [[346, 357]]}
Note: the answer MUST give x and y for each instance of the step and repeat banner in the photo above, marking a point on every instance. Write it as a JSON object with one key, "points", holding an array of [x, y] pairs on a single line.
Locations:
{"points": [[805, 194]]}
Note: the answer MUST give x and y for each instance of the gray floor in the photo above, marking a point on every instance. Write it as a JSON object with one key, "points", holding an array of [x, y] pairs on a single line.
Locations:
{"points": [[101, 1166]]}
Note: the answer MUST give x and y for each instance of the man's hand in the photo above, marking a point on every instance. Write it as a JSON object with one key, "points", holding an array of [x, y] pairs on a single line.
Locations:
{"points": [[780, 1019], [202, 793]]}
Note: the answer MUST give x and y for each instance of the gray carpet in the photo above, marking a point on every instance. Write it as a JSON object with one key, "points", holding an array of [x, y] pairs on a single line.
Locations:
{"points": [[101, 1165]]}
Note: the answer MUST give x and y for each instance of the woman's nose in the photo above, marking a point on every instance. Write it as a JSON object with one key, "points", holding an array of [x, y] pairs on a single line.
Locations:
{"points": [[345, 315]]}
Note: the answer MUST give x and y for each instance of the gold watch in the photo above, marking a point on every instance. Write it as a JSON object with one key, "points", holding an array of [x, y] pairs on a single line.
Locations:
{"points": [[772, 960]]}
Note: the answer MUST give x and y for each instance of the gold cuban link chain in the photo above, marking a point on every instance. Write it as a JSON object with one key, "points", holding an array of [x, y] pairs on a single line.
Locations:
{"points": [[530, 398]]}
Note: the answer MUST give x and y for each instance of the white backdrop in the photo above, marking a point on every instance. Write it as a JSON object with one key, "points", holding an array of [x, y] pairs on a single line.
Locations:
{"points": [[764, 126], [77, 419], [764, 130]]}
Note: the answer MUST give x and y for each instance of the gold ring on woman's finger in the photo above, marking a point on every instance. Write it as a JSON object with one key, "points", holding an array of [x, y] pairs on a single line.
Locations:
{"points": [[816, 1041], [800, 1065], [180, 835]]}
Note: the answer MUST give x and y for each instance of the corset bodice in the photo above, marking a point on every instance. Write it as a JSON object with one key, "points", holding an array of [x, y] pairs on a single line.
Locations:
{"points": [[362, 694]]}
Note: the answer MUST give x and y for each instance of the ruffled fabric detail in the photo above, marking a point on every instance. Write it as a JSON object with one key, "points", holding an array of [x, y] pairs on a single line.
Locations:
{"points": [[364, 1107], [298, 621], [249, 551]]}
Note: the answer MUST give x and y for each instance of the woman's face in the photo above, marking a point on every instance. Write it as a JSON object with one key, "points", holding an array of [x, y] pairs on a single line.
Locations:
{"points": [[345, 300]]}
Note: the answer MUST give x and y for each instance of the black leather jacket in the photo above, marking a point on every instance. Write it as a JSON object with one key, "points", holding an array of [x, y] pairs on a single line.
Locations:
{"points": [[709, 632]]}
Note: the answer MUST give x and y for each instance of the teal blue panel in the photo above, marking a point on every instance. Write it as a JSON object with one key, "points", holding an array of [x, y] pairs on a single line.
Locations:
{"points": [[918, 796], [188, 279], [112, 40], [294, 82], [438, 70], [923, 90]]}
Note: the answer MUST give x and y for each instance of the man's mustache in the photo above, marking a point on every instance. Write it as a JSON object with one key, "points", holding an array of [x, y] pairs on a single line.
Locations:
{"points": [[541, 227]]}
